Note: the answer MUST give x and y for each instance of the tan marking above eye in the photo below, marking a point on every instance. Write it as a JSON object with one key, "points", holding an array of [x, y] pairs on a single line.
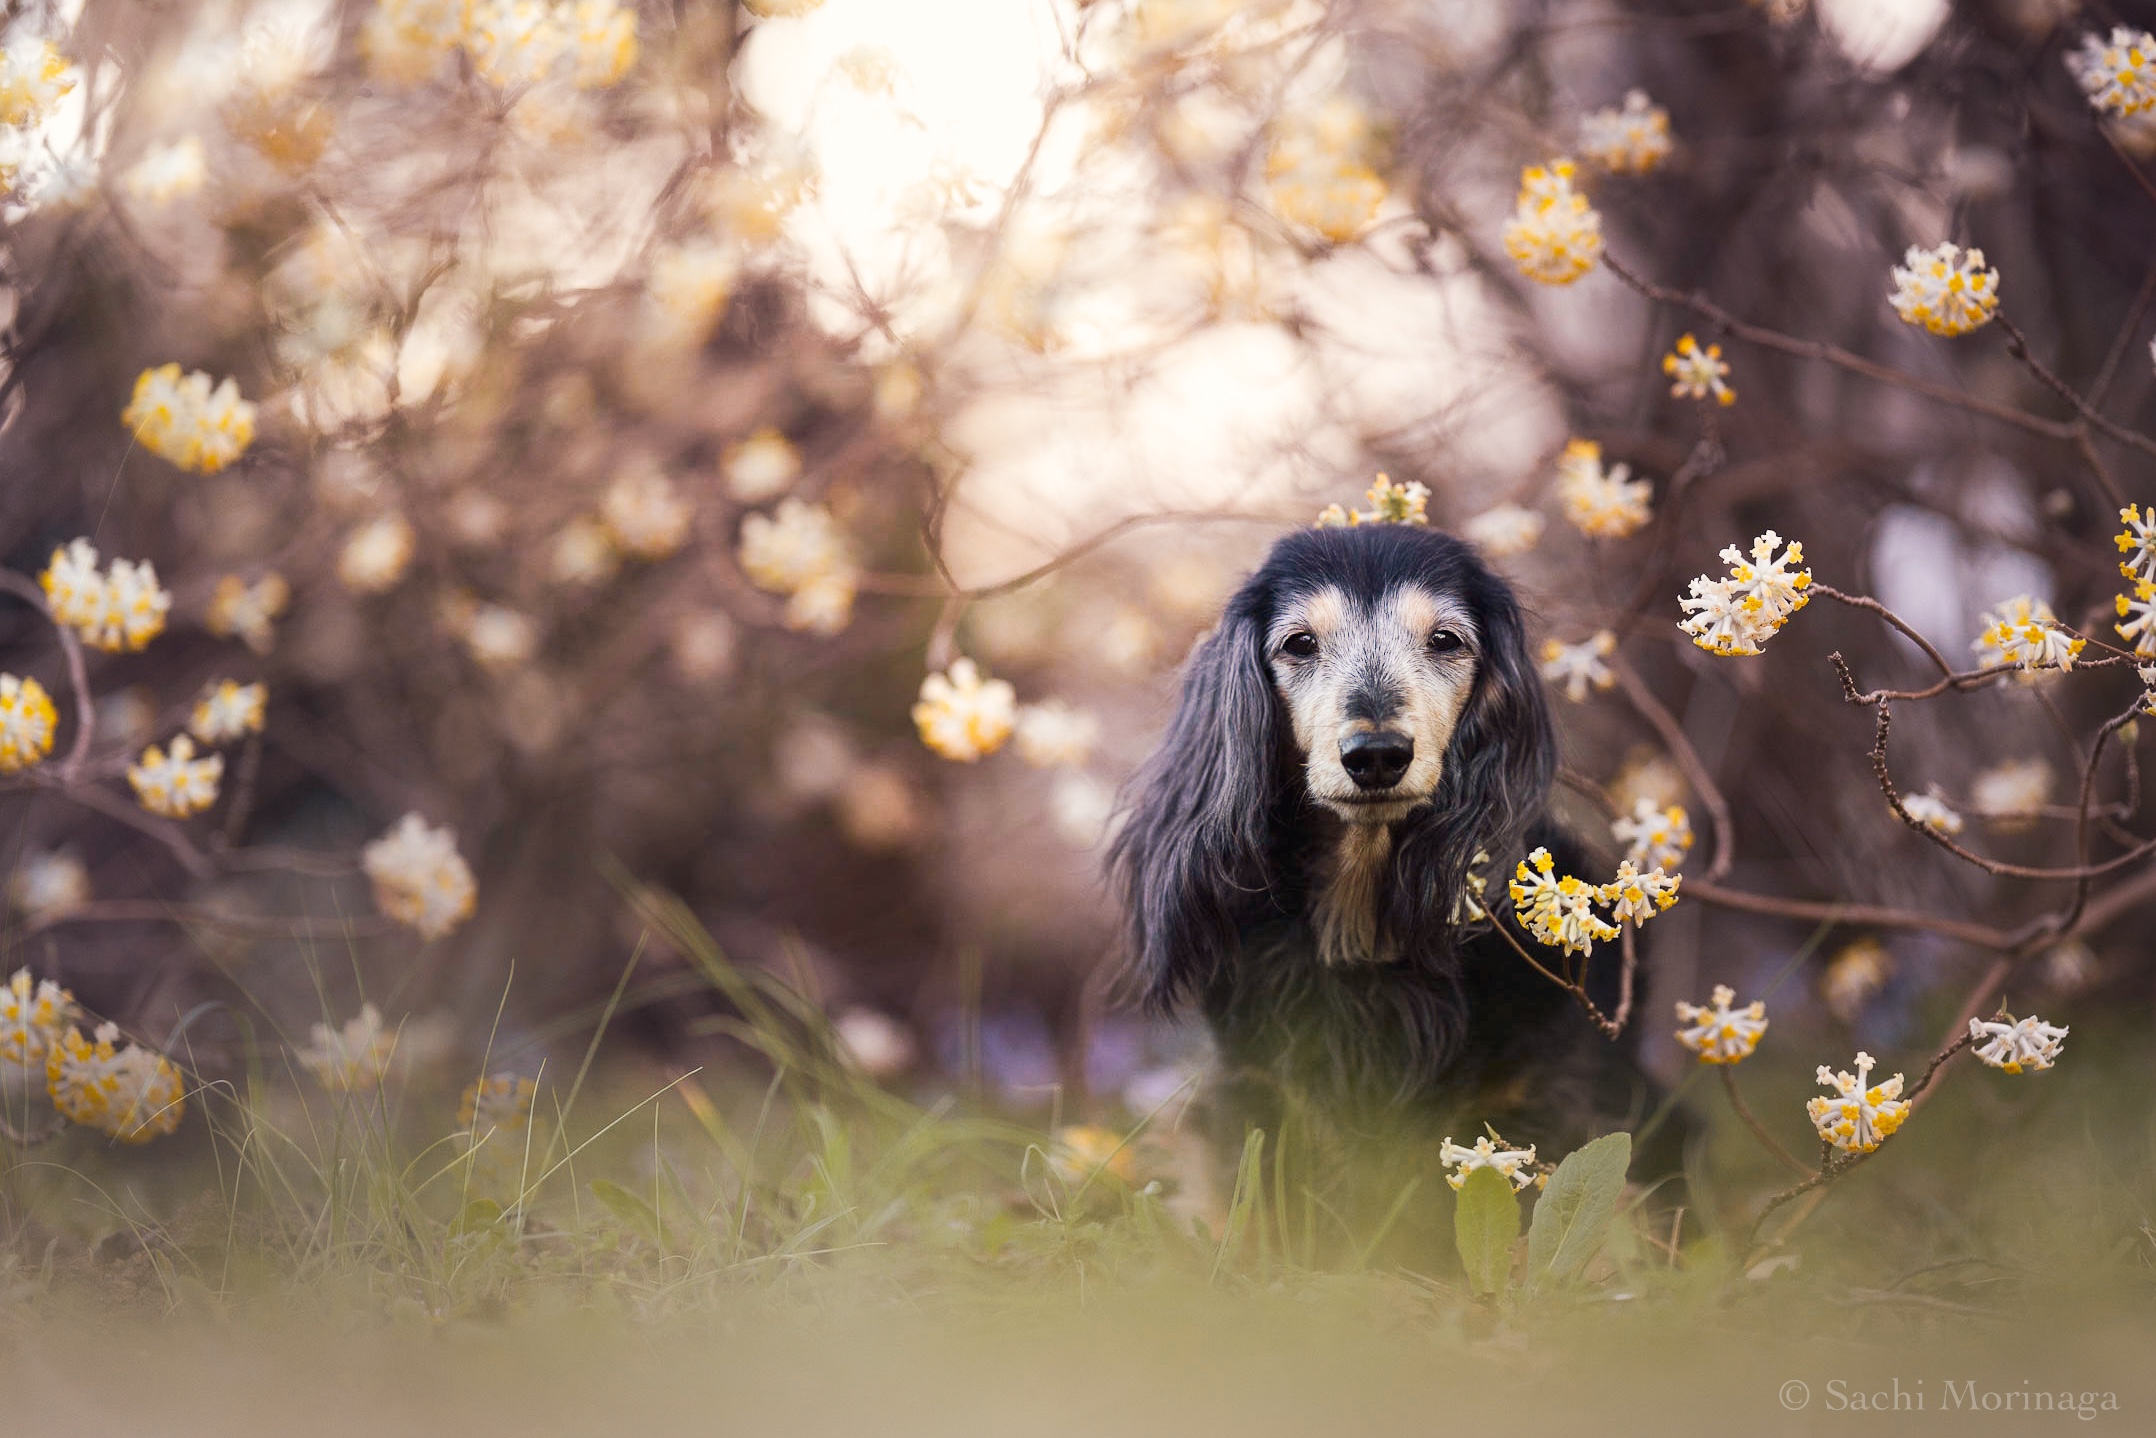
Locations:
{"points": [[1324, 612], [1416, 610]]}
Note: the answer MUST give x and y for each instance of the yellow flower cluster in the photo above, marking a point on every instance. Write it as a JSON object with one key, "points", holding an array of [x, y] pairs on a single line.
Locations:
{"points": [[131, 1093], [228, 710], [1944, 290], [248, 612], [1554, 235], [645, 516], [1655, 836], [962, 715], [1053, 735], [2025, 632], [761, 467], [419, 877], [2138, 543], [1738, 614], [1577, 666], [47, 884], [1627, 141], [33, 1015], [587, 44], [1082, 1151], [1861, 1115], [1698, 372], [26, 723], [353, 1058], [1600, 505], [797, 551], [498, 1102], [1635, 896], [176, 784], [1516, 1164], [1933, 813], [2118, 75], [1389, 504], [186, 421], [375, 554], [1503, 530], [118, 610], [1319, 172], [34, 75], [2013, 1044], [1718, 1033]]}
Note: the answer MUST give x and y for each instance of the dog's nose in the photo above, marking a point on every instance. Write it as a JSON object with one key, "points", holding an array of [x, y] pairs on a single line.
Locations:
{"points": [[1377, 759]]}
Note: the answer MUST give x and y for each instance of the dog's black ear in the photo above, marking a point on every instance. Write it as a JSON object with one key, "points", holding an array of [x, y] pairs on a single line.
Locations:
{"points": [[1497, 776], [1191, 857]]}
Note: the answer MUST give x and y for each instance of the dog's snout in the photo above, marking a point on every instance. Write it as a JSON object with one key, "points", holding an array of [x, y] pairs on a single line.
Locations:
{"points": [[1377, 759]]}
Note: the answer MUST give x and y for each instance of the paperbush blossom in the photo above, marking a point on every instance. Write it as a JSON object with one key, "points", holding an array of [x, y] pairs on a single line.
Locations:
{"points": [[1635, 897], [645, 516], [2023, 631], [1516, 1164], [1944, 290], [2013, 1044], [2118, 75], [761, 467], [1557, 909], [963, 716], [181, 418], [248, 612], [1698, 372], [1861, 1115], [1627, 141], [419, 877], [498, 1103], [228, 710], [26, 723], [798, 551], [1053, 734], [1503, 531], [2138, 619], [2012, 788], [1932, 812], [1554, 235], [1390, 503], [1654, 835], [119, 610], [46, 885], [34, 75], [176, 784], [1319, 174], [1079, 1151], [1718, 1033], [2137, 542], [375, 555], [499, 637], [1739, 614], [34, 1014], [1578, 666], [1601, 505], [131, 1093], [350, 1059]]}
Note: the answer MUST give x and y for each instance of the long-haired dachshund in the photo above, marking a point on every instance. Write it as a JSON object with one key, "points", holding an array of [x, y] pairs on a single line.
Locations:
{"points": [[1363, 729]]}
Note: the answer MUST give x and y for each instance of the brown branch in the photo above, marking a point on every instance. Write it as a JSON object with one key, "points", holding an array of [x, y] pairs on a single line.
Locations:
{"points": [[1837, 356], [265, 926], [1866, 602], [2017, 345], [1869, 915]]}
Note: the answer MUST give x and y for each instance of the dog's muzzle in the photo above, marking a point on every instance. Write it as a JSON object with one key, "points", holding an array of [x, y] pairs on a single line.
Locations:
{"points": [[1376, 759]]}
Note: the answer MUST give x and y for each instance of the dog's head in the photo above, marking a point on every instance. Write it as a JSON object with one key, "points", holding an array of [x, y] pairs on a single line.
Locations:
{"points": [[1379, 674]]}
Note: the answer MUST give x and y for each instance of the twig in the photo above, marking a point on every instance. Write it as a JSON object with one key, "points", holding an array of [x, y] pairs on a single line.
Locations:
{"points": [[1766, 1140], [1695, 770]]}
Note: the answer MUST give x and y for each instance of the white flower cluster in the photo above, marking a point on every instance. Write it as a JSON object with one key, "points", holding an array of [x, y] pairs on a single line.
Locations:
{"points": [[1861, 1115], [26, 723], [351, 1059], [419, 877], [1390, 503], [2137, 542], [248, 612], [963, 715], [186, 421], [797, 551], [1627, 141], [1944, 290], [2023, 631], [1579, 666], [1933, 812], [1558, 909], [2015, 1044], [131, 1093], [119, 610], [2118, 75], [1554, 235], [1601, 505], [1739, 614], [1654, 835], [1503, 531], [1698, 371], [228, 710], [1718, 1033], [174, 783], [1516, 1164], [1319, 171]]}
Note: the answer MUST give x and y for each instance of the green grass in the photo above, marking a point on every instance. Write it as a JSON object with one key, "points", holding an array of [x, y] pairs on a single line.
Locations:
{"points": [[784, 1243]]}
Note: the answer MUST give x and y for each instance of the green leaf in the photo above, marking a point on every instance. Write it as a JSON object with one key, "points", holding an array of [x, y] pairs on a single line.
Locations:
{"points": [[1484, 1225], [635, 1212], [1575, 1209]]}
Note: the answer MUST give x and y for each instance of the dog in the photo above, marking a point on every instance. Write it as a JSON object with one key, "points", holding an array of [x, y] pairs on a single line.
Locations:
{"points": [[1363, 730]]}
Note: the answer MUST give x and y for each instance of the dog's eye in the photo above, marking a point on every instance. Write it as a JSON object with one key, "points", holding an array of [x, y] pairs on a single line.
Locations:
{"points": [[1444, 642], [1301, 644]]}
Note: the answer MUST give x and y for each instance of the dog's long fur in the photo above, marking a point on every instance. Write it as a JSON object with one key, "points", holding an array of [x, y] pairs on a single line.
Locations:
{"points": [[1326, 950]]}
